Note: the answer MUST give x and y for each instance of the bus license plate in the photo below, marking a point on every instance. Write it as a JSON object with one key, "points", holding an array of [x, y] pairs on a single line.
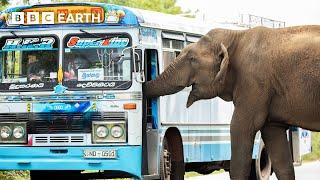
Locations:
{"points": [[108, 154]]}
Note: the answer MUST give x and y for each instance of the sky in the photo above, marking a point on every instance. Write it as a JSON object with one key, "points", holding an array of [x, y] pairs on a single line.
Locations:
{"points": [[293, 12]]}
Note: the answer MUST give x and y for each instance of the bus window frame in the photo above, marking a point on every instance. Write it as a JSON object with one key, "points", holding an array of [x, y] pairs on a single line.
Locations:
{"points": [[170, 36], [72, 85], [48, 86], [170, 50]]}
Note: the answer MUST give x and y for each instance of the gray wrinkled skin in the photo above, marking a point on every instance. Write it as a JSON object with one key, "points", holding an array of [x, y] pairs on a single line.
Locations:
{"points": [[271, 75]]}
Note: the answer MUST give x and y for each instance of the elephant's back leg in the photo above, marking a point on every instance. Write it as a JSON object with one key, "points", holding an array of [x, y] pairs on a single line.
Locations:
{"points": [[275, 139]]}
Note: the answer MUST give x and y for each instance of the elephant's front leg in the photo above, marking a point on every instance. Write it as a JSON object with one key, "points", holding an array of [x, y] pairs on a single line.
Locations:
{"points": [[275, 139], [246, 121]]}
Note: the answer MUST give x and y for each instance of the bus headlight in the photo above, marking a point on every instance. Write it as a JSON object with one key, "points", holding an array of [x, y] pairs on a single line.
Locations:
{"points": [[117, 131], [5, 132], [109, 132], [18, 132], [13, 132], [102, 131]]}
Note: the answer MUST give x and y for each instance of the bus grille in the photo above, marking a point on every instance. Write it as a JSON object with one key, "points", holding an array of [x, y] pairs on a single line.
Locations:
{"points": [[51, 123], [59, 140]]}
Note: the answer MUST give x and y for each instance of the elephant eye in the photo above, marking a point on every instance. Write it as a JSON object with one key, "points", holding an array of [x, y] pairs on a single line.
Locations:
{"points": [[193, 60]]}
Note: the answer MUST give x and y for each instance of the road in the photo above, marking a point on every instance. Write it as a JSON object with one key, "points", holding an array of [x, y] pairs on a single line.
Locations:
{"points": [[308, 171]]}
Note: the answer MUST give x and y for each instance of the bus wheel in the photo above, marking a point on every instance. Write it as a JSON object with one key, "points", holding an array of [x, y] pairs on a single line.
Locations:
{"points": [[170, 168], [261, 167], [165, 161]]}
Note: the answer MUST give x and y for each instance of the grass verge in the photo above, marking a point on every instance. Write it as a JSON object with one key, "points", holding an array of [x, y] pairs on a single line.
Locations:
{"points": [[194, 174], [14, 175]]}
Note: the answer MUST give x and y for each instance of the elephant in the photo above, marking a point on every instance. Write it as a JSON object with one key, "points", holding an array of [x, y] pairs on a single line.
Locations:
{"points": [[272, 76]]}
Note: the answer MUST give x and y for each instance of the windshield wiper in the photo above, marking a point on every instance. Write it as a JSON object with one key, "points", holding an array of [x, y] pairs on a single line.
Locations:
{"points": [[94, 35], [17, 36], [14, 34]]}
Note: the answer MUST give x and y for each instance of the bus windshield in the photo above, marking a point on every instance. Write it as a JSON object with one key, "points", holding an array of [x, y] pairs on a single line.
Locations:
{"points": [[96, 61], [28, 62]]}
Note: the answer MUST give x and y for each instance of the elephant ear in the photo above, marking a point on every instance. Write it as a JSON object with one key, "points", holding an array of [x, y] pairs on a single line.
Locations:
{"points": [[221, 75]]}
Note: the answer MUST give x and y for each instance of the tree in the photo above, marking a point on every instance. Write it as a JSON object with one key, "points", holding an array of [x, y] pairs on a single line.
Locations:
{"points": [[3, 4]]}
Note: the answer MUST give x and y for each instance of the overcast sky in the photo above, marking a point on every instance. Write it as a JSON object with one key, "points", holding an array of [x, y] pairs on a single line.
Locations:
{"points": [[293, 12]]}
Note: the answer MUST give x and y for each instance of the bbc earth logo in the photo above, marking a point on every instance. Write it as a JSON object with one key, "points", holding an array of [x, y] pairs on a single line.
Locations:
{"points": [[32, 18]]}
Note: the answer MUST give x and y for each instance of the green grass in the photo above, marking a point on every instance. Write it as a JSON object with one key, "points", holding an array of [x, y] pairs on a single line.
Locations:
{"points": [[315, 154], [14, 175], [191, 174], [194, 174]]}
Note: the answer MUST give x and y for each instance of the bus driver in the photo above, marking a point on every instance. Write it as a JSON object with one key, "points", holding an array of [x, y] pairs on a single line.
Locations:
{"points": [[35, 70]]}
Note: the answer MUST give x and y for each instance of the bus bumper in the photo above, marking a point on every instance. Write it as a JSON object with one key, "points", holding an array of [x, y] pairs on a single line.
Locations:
{"points": [[70, 158]]}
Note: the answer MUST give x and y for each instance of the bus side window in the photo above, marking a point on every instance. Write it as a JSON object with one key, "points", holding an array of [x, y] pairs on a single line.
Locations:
{"points": [[171, 50], [168, 57], [152, 71]]}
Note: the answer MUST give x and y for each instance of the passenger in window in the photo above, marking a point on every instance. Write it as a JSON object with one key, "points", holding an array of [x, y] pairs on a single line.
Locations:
{"points": [[36, 71], [70, 69], [73, 63]]}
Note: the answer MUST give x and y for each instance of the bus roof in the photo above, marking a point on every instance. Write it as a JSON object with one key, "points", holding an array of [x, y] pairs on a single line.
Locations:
{"points": [[110, 15], [170, 22]]}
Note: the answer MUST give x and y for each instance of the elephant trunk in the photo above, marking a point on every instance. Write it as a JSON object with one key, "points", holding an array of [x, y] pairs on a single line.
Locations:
{"points": [[169, 82]]}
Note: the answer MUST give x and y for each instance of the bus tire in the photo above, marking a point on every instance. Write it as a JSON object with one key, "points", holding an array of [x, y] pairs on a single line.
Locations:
{"points": [[261, 167], [170, 169]]}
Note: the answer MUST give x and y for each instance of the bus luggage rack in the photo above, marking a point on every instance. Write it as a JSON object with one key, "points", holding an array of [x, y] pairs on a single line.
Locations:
{"points": [[53, 123]]}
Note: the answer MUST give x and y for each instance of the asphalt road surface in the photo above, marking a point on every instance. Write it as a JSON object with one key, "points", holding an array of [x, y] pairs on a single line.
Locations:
{"points": [[308, 171]]}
